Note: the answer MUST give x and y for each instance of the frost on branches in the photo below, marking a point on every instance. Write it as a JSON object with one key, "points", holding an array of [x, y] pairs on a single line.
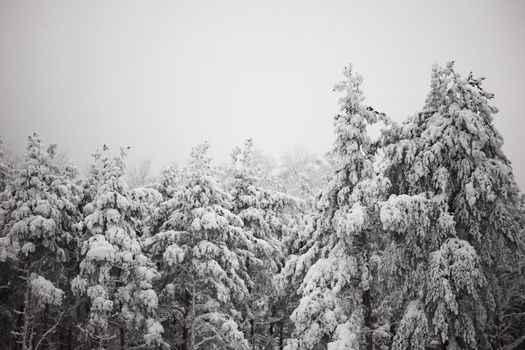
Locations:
{"points": [[411, 241], [38, 209], [265, 215], [5, 170], [115, 275], [339, 263], [455, 225], [203, 252]]}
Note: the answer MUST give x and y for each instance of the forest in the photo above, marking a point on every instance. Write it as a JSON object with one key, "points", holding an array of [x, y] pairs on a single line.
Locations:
{"points": [[413, 239]]}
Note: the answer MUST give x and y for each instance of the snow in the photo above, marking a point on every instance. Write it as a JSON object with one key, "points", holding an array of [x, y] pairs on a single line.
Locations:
{"points": [[173, 254], [399, 213], [413, 330], [154, 331], [428, 220], [45, 292], [100, 249], [28, 248], [346, 338], [349, 222]]}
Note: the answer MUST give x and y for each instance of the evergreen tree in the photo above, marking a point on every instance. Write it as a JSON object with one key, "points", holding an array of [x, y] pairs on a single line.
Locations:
{"points": [[202, 251], [454, 221], [38, 210], [263, 213], [337, 287], [115, 275], [5, 171]]}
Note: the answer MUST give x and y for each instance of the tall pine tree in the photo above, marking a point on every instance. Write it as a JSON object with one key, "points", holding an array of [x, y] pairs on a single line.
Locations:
{"points": [[457, 234], [337, 286]]}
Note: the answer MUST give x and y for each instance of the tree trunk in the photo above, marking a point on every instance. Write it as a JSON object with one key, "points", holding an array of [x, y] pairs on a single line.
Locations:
{"points": [[19, 323], [45, 343], [281, 335], [184, 345], [193, 316], [70, 339], [122, 338], [366, 296], [252, 333], [367, 305], [26, 326]]}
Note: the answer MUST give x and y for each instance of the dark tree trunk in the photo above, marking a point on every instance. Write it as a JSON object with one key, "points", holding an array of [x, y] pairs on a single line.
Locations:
{"points": [[19, 322], [70, 339], [281, 335], [252, 333], [184, 337], [367, 305], [45, 343], [122, 338]]}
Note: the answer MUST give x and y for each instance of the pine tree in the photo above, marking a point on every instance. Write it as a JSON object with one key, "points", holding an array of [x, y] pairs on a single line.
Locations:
{"points": [[202, 251], [453, 219], [115, 275], [5, 171], [337, 287], [38, 210], [264, 216]]}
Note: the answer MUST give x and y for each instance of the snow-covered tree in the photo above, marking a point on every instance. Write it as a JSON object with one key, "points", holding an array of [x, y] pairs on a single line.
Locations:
{"points": [[456, 233], [115, 275], [302, 175], [338, 264], [38, 210], [5, 171], [202, 252], [265, 216]]}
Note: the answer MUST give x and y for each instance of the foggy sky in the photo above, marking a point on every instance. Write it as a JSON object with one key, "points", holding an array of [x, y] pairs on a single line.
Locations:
{"points": [[161, 76]]}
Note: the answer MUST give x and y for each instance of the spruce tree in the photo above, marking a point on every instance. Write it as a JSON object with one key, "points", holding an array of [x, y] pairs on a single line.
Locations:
{"points": [[202, 251], [337, 286], [5, 170], [38, 210], [115, 275], [264, 214], [457, 236]]}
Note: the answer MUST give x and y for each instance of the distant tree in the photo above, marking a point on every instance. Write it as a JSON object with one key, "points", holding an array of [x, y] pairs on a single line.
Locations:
{"points": [[302, 174], [139, 174]]}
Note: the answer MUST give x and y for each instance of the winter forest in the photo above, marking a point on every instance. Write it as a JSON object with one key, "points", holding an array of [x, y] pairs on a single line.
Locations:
{"points": [[409, 239]]}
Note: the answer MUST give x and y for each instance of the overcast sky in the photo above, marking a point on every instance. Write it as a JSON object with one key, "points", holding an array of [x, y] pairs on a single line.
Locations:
{"points": [[161, 76]]}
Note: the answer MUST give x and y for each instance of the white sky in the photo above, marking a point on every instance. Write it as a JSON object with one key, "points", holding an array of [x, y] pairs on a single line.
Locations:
{"points": [[161, 76]]}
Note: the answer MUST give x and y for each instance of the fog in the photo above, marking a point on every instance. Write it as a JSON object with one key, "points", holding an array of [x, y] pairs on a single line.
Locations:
{"points": [[161, 76]]}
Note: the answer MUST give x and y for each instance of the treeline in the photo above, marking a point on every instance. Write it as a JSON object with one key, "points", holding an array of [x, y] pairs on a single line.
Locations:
{"points": [[413, 240]]}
